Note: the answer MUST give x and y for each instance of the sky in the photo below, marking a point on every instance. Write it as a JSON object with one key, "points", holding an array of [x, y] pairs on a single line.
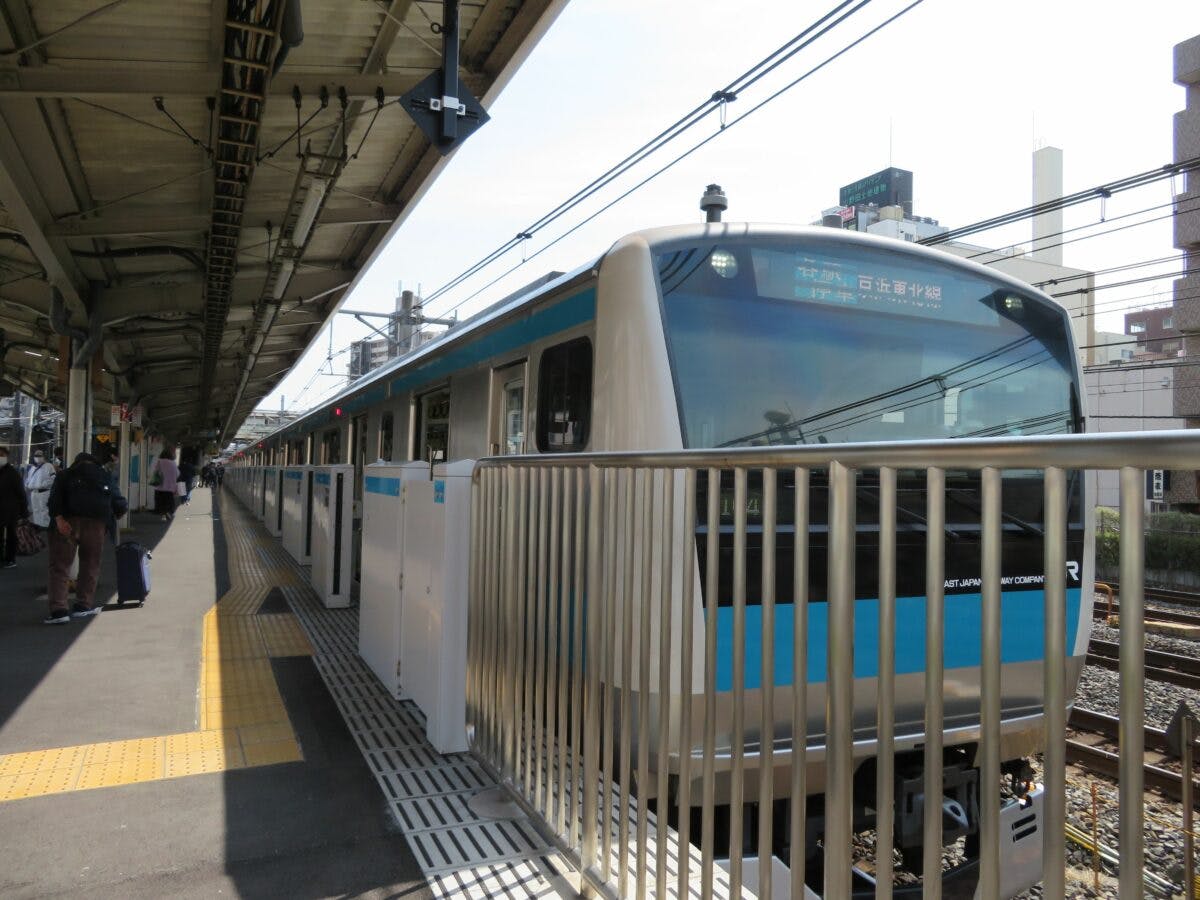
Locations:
{"points": [[960, 92]]}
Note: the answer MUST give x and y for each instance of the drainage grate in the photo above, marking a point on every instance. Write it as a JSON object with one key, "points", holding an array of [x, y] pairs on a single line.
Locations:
{"points": [[472, 845], [461, 854]]}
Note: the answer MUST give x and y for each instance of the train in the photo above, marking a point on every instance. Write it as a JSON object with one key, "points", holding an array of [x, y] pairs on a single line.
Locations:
{"points": [[727, 335]]}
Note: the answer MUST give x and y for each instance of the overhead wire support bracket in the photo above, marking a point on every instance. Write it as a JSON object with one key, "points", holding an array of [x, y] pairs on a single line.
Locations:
{"points": [[371, 124], [297, 99], [344, 101], [162, 108]]}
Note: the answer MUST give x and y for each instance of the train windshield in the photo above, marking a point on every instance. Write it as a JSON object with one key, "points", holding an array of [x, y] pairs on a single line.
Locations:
{"points": [[775, 343]]}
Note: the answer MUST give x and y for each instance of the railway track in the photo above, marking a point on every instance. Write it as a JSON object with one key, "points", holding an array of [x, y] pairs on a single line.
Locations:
{"points": [[1171, 668], [1092, 755], [1100, 611], [1184, 598]]}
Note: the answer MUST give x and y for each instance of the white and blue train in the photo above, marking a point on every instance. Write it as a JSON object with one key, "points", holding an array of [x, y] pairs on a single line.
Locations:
{"points": [[725, 335]]}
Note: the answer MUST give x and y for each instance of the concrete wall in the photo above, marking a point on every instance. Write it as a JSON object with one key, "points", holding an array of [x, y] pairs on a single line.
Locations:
{"points": [[1129, 398]]}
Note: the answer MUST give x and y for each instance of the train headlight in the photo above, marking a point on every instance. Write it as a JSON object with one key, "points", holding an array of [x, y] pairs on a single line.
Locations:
{"points": [[724, 263]]}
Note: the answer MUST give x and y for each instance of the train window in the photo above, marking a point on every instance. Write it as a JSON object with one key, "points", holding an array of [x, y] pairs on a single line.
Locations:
{"points": [[331, 446], [386, 428], [431, 437], [514, 418], [565, 397]]}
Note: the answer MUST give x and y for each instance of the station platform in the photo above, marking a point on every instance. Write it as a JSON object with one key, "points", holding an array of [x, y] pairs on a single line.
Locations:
{"points": [[225, 739]]}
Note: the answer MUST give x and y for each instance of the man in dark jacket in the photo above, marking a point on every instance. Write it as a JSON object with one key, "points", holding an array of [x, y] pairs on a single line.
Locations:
{"points": [[13, 506], [82, 502]]}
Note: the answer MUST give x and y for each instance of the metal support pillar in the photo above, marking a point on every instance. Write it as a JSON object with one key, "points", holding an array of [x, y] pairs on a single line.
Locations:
{"points": [[79, 420], [124, 455]]}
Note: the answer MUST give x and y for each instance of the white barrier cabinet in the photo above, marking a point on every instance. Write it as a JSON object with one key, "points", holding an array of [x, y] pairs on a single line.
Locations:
{"points": [[382, 552], [272, 500], [333, 496], [433, 614], [297, 527]]}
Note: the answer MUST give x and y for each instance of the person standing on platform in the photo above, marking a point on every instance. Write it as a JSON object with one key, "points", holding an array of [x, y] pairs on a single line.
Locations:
{"points": [[165, 480], [81, 505], [187, 475], [13, 506], [38, 481]]}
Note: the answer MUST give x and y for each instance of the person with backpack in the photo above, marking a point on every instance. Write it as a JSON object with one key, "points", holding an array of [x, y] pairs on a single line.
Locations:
{"points": [[82, 504], [13, 508]]}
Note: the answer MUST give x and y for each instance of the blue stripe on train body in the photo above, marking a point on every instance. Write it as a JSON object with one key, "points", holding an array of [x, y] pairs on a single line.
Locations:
{"points": [[541, 323], [1022, 636]]}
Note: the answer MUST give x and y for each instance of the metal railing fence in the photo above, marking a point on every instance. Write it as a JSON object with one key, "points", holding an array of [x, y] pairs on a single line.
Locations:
{"points": [[588, 652]]}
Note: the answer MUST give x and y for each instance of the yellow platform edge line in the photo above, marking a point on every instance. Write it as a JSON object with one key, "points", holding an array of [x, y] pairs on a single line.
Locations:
{"points": [[243, 720]]}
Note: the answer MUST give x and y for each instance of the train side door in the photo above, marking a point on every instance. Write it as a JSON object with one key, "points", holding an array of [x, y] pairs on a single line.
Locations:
{"points": [[507, 428], [358, 456]]}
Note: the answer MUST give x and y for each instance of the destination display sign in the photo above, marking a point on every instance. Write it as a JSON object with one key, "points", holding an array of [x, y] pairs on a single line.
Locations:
{"points": [[874, 282]]}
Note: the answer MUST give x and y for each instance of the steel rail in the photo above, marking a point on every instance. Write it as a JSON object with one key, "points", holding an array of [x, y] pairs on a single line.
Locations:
{"points": [[1172, 595], [1105, 762], [1151, 614], [1160, 658]]}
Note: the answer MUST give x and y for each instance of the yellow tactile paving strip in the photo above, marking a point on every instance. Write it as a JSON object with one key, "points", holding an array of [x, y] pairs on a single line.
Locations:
{"points": [[242, 718]]}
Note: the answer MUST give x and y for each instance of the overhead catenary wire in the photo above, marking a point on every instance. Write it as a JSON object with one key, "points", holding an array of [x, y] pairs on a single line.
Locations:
{"points": [[797, 43], [999, 256], [1170, 170], [1096, 224], [752, 75], [787, 87]]}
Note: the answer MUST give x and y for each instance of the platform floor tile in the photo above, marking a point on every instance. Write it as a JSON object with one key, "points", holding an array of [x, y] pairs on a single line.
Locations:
{"points": [[240, 711]]}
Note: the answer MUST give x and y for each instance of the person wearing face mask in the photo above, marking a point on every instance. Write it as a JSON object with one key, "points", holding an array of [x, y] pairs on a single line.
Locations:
{"points": [[38, 481], [13, 506]]}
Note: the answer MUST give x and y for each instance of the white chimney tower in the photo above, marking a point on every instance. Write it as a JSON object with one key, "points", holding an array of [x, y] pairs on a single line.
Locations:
{"points": [[1047, 185]]}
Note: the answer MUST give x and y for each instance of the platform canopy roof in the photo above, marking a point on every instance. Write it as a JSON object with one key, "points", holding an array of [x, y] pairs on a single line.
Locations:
{"points": [[154, 191]]}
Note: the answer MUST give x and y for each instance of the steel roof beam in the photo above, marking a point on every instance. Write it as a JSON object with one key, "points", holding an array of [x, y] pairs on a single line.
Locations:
{"points": [[148, 300], [151, 220], [30, 215], [114, 81]]}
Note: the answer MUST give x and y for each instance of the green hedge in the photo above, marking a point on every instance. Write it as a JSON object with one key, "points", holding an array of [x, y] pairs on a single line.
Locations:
{"points": [[1172, 540]]}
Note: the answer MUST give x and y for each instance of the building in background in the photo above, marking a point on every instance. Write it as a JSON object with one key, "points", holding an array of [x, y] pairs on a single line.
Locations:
{"points": [[26, 425], [1111, 347], [406, 328], [882, 204], [1154, 332], [259, 424], [1184, 492], [1129, 395]]}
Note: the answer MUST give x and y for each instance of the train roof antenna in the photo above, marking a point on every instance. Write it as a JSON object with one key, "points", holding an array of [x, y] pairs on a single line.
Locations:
{"points": [[713, 203]]}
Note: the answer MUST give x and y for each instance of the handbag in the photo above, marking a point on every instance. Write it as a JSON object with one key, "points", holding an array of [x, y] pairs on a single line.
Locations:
{"points": [[31, 540], [181, 488], [156, 478]]}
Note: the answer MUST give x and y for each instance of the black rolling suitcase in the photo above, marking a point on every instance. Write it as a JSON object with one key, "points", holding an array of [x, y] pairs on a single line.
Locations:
{"points": [[133, 573]]}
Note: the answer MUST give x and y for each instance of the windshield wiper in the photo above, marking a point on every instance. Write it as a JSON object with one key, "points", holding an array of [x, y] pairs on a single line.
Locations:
{"points": [[906, 513]]}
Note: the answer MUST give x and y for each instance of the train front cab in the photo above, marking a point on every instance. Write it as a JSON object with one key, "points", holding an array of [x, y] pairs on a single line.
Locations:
{"points": [[1011, 335]]}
